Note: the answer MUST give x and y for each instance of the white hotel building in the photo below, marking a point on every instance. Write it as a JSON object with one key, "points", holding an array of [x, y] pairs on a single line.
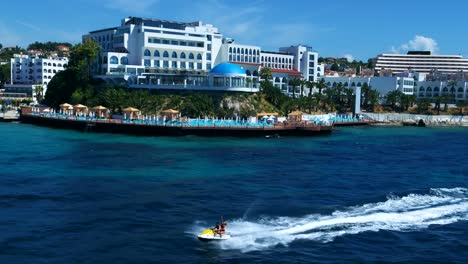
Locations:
{"points": [[27, 71], [421, 62], [159, 54]]}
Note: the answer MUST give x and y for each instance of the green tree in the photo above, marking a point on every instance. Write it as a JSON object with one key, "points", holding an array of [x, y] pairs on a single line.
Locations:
{"points": [[311, 86], [1, 46], [303, 83], [422, 106], [335, 67], [462, 104], [394, 98], [321, 85], [61, 87], [82, 56], [5, 71], [39, 92], [76, 79], [265, 73], [437, 102], [294, 82]]}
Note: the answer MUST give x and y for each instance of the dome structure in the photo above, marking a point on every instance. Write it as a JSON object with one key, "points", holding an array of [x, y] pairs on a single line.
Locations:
{"points": [[228, 69]]}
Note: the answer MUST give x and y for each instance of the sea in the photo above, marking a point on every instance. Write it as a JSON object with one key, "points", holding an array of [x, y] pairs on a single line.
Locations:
{"points": [[359, 195]]}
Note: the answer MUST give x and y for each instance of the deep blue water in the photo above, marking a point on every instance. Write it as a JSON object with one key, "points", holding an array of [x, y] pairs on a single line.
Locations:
{"points": [[360, 195]]}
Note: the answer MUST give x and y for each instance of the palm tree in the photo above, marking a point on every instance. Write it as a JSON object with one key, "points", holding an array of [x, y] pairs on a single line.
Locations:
{"points": [[461, 106], [393, 98], [265, 73], [311, 86], [303, 83], [437, 101], [39, 92], [295, 82], [321, 85]]}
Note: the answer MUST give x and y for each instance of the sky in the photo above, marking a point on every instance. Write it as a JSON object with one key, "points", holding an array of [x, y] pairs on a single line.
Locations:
{"points": [[358, 29]]}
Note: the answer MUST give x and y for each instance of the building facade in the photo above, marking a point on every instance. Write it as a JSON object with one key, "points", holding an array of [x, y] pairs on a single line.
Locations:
{"points": [[456, 90], [156, 53], [421, 62], [383, 85], [28, 71]]}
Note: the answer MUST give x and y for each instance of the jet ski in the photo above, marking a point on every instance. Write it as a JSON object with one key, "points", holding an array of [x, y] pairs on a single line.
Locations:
{"points": [[210, 235]]}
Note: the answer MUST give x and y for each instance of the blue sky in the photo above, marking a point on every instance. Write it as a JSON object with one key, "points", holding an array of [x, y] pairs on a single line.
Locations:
{"points": [[359, 29]]}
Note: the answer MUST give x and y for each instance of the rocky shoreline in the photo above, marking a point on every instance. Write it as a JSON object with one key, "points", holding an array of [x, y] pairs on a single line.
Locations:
{"points": [[392, 119]]}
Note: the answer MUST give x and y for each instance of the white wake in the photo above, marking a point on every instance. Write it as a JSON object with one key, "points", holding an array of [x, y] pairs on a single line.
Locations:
{"points": [[408, 213]]}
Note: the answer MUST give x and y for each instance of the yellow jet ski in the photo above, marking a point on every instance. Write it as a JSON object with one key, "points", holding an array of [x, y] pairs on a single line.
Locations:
{"points": [[210, 234]]}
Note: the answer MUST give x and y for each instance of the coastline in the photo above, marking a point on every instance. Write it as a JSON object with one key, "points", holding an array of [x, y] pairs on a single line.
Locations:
{"points": [[396, 119]]}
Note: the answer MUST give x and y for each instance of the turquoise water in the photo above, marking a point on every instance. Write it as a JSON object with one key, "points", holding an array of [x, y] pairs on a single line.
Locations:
{"points": [[359, 195]]}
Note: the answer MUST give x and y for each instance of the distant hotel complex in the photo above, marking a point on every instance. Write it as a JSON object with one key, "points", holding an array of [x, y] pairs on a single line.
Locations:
{"points": [[158, 54], [421, 62]]}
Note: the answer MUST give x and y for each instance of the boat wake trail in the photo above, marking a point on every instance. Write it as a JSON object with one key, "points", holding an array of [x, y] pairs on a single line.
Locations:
{"points": [[409, 213]]}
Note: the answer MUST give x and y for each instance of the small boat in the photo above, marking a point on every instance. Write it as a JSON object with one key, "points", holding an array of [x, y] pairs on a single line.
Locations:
{"points": [[210, 235]]}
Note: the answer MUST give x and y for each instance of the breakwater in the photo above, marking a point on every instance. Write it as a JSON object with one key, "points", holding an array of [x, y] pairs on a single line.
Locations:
{"points": [[429, 120]]}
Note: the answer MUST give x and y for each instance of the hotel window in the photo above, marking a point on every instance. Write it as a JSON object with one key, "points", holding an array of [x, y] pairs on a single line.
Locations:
{"points": [[174, 42], [147, 63], [190, 65], [166, 64], [230, 49], [182, 65], [199, 56], [174, 55], [209, 47], [156, 63], [174, 64], [147, 53], [191, 57], [156, 53], [183, 43], [182, 55], [166, 54], [113, 60], [208, 66], [311, 57], [230, 57], [199, 66], [208, 56], [124, 60], [165, 41]]}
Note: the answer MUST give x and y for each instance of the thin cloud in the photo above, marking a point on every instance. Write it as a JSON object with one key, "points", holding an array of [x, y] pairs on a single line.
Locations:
{"points": [[28, 25], [418, 43]]}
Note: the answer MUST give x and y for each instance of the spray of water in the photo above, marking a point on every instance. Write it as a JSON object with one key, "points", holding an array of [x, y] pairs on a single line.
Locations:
{"points": [[409, 213]]}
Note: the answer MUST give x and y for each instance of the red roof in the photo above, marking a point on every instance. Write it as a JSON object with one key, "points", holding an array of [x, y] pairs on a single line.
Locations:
{"points": [[246, 63], [290, 72]]}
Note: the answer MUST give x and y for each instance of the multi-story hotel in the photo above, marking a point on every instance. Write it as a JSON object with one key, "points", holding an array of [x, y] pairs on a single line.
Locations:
{"points": [[159, 54], [28, 71], [421, 62]]}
